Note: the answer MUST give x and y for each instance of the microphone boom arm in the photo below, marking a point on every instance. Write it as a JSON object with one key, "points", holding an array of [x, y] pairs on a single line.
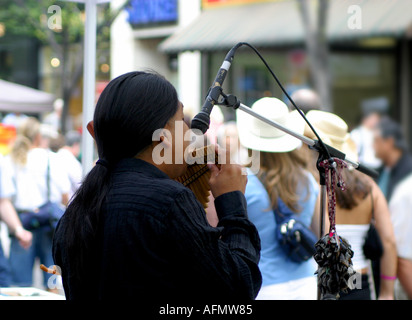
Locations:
{"points": [[231, 101]]}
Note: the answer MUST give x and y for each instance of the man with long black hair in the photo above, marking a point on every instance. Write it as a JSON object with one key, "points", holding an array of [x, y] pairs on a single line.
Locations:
{"points": [[131, 231]]}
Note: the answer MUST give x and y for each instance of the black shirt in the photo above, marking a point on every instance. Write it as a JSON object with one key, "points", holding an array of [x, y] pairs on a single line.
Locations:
{"points": [[154, 242]]}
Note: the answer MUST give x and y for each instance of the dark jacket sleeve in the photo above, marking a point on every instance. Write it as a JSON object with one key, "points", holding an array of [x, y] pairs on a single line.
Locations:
{"points": [[225, 257]]}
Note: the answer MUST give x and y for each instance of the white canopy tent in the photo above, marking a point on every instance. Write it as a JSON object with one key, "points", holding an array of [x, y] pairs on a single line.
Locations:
{"points": [[18, 98]]}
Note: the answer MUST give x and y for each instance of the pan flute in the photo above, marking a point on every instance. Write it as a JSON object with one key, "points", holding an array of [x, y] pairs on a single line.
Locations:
{"points": [[197, 175]]}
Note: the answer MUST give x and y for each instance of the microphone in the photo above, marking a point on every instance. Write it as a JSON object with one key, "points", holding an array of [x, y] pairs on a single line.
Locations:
{"points": [[202, 120]]}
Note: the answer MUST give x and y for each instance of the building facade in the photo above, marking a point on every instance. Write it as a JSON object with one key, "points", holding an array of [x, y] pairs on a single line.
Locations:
{"points": [[135, 38], [369, 51]]}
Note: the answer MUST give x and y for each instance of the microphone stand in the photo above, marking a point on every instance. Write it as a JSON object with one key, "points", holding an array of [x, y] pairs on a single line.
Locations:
{"points": [[325, 151], [232, 101]]}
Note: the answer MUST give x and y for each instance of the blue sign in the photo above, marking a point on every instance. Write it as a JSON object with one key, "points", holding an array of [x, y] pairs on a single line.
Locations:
{"points": [[152, 12]]}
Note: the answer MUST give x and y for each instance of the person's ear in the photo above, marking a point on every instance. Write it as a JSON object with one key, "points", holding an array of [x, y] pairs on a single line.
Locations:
{"points": [[162, 147], [90, 128], [166, 138]]}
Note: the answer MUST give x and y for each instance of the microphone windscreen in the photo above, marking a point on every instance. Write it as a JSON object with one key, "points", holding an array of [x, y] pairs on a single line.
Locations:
{"points": [[200, 122]]}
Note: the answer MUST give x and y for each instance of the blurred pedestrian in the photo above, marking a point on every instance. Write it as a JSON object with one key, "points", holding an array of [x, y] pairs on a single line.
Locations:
{"points": [[69, 157], [228, 138], [47, 134], [306, 99], [129, 213], [216, 120], [48, 137], [355, 208], [362, 135], [401, 216], [9, 216], [24, 182], [53, 119], [392, 148], [281, 181], [14, 119]]}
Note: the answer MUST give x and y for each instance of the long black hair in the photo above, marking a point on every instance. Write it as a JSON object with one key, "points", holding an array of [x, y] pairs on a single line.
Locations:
{"points": [[129, 110]]}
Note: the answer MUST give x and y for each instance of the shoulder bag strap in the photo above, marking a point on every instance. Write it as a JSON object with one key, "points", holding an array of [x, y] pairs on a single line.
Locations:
{"points": [[14, 179], [48, 177], [279, 216]]}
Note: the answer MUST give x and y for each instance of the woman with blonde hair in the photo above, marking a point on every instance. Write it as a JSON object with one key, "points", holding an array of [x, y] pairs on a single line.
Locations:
{"points": [[282, 184], [25, 182], [355, 207]]}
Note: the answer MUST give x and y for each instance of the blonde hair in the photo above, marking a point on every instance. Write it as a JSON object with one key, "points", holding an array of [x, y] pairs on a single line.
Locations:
{"points": [[282, 174], [26, 135]]}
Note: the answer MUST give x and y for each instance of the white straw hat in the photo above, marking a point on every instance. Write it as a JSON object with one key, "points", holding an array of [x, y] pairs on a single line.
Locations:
{"points": [[333, 131], [258, 135]]}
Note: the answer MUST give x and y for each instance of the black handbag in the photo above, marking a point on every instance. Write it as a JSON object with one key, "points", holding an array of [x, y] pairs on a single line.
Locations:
{"points": [[295, 238], [372, 247], [46, 216]]}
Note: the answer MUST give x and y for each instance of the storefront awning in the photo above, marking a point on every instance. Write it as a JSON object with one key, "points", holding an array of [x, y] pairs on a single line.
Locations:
{"points": [[279, 23], [379, 18]]}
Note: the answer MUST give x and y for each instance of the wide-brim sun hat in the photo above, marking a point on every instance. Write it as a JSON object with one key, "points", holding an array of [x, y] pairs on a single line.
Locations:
{"points": [[258, 135], [333, 131]]}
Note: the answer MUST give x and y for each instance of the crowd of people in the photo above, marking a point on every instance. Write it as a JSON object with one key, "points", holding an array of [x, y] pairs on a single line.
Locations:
{"points": [[42, 166], [288, 175], [129, 214]]}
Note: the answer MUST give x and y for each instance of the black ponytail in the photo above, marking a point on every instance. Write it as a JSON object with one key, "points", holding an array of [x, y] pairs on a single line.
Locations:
{"points": [[129, 110]]}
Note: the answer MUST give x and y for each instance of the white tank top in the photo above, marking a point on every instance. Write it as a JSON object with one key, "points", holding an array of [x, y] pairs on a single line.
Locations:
{"points": [[355, 234]]}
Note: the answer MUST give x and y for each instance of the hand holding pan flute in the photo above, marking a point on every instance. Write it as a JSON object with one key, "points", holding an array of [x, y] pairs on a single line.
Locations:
{"points": [[207, 174], [229, 177]]}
